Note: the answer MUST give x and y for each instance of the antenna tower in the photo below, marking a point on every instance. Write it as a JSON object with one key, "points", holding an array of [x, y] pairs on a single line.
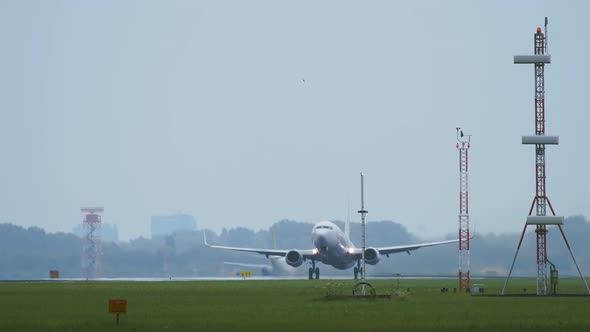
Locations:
{"points": [[540, 220], [463, 145], [92, 246], [362, 211]]}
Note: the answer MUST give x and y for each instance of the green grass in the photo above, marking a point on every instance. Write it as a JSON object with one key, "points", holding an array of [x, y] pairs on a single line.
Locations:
{"points": [[279, 305]]}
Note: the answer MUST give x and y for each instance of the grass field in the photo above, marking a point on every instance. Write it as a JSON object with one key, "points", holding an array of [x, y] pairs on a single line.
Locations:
{"points": [[281, 305]]}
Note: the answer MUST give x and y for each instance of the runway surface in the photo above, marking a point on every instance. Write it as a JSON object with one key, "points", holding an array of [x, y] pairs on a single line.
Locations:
{"points": [[161, 279]]}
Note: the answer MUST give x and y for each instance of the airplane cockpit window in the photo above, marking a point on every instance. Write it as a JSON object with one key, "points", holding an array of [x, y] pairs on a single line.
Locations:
{"points": [[324, 227]]}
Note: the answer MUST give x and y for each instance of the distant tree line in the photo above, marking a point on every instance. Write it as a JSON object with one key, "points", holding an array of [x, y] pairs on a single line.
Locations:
{"points": [[29, 253]]}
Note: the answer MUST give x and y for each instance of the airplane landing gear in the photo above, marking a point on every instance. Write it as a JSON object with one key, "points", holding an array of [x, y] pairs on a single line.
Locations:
{"points": [[358, 270], [314, 272]]}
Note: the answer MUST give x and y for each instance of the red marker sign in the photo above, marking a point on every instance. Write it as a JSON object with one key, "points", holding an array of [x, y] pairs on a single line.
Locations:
{"points": [[117, 307]]}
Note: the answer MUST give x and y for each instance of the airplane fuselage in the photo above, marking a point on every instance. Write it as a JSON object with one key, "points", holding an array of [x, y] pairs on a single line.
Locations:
{"points": [[332, 245]]}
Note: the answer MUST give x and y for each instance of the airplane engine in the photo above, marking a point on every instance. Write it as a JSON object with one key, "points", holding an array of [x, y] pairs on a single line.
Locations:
{"points": [[294, 258], [372, 256]]}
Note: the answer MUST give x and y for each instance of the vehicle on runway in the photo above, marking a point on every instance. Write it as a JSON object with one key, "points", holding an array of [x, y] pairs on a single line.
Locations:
{"points": [[332, 246]]}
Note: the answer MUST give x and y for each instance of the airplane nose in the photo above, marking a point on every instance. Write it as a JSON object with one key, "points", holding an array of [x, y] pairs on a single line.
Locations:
{"points": [[321, 243]]}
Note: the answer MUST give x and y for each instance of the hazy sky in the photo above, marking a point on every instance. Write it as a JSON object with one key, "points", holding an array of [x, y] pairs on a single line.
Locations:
{"points": [[243, 113]]}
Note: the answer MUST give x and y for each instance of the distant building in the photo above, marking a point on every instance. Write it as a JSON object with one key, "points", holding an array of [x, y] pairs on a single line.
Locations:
{"points": [[108, 232], [167, 225]]}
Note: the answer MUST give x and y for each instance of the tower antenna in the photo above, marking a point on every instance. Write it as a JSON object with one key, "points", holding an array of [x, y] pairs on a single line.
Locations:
{"points": [[463, 145], [541, 201], [92, 250], [362, 211], [546, 36]]}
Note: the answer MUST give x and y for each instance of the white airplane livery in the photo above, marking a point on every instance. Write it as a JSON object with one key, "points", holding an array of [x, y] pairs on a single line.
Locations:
{"points": [[332, 247]]}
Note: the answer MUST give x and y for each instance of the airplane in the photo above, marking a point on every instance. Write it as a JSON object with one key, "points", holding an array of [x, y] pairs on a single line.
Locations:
{"points": [[277, 267], [332, 247]]}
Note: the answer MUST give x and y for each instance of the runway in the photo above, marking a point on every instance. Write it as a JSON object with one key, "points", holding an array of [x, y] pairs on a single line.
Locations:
{"points": [[237, 278]]}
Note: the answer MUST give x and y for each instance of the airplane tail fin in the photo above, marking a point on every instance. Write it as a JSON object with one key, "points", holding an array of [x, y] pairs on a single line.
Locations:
{"points": [[205, 238], [274, 239], [347, 225]]}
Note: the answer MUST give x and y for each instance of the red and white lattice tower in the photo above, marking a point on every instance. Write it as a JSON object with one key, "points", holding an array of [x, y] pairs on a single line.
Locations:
{"points": [[92, 246], [540, 202], [464, 269]]}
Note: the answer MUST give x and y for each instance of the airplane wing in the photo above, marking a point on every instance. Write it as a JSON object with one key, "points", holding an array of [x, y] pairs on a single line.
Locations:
{"points": [[307, 253], [405, 248], [408, 248]]}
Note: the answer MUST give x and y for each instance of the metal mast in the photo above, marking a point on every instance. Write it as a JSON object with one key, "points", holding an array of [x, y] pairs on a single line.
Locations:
{"points": [[540, 201], [362, 211], [463, 146], [540, 197], [92, 246]]}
